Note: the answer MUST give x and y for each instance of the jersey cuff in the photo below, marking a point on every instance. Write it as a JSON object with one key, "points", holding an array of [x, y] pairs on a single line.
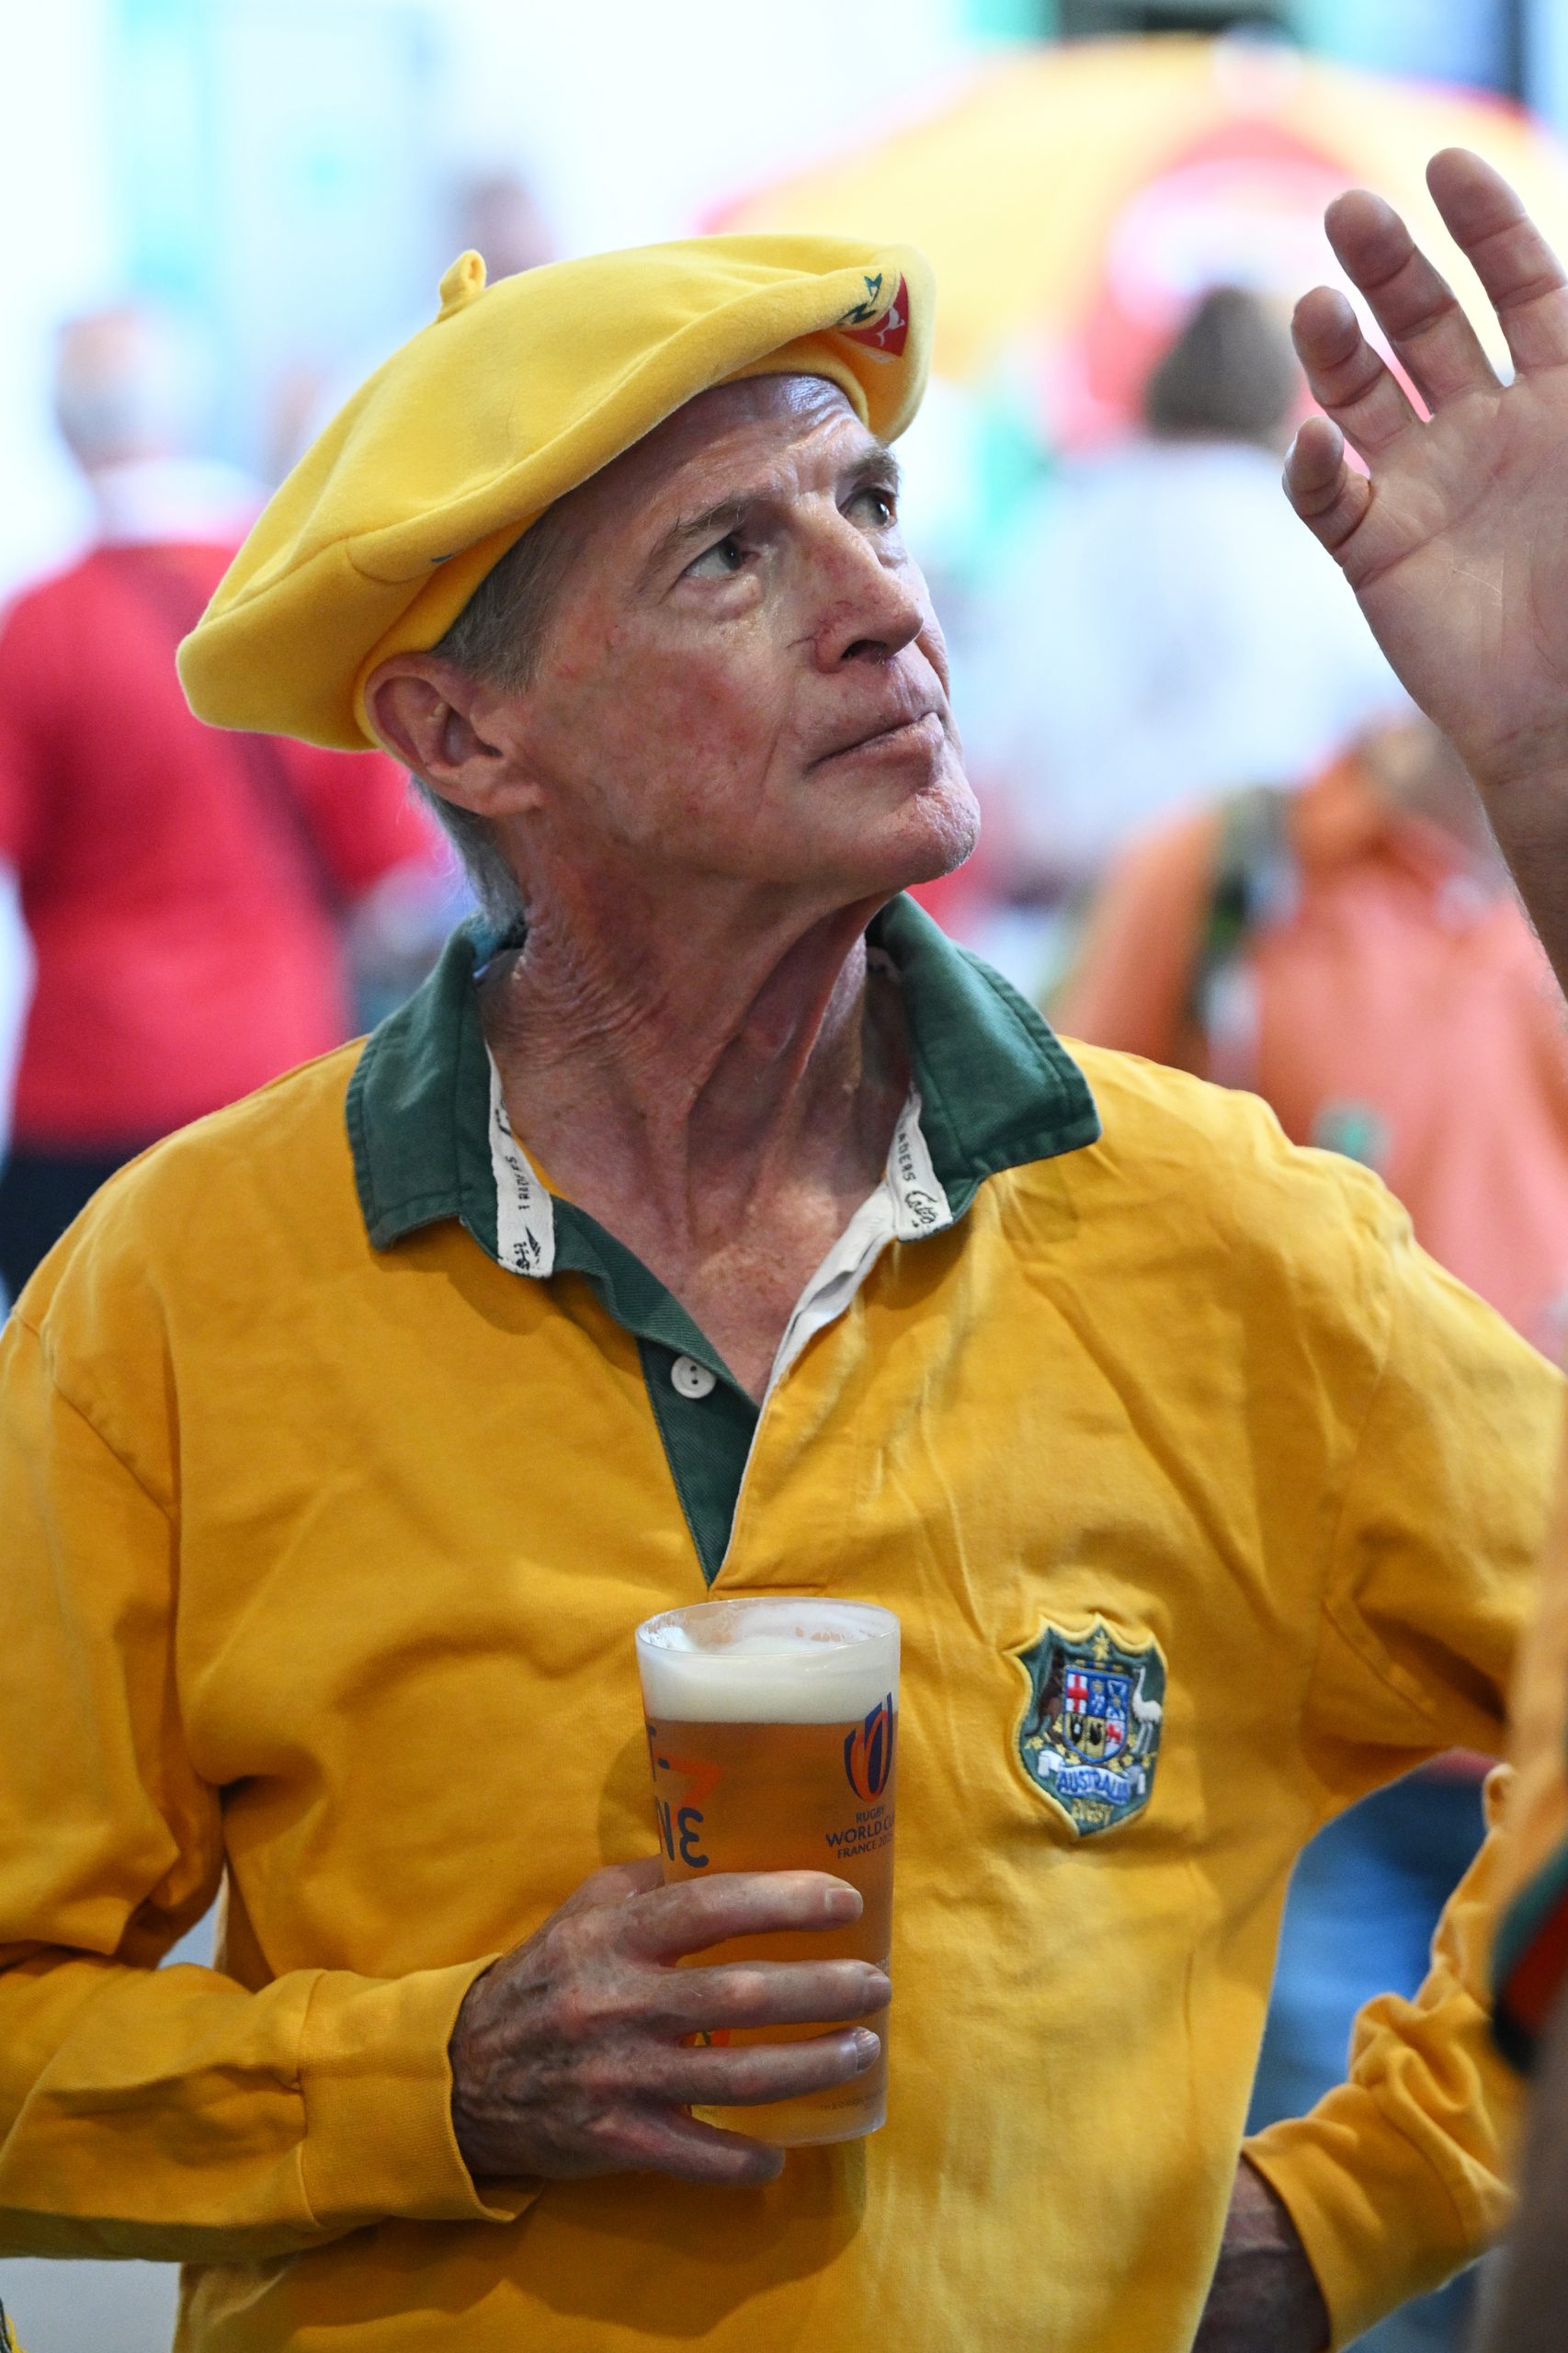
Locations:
{"points": [[1377, 2222], [378, 2092]]}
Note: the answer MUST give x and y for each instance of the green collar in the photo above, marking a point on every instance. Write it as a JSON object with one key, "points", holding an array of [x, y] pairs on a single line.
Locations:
{"points": [[996, 1089]]}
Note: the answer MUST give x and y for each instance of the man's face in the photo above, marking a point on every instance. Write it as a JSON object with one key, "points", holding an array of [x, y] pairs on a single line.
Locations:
{"points": [[741, 676]]}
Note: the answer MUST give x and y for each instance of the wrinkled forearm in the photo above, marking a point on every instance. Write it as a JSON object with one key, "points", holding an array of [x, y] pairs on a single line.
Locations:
{"points": [[1529, 814]]}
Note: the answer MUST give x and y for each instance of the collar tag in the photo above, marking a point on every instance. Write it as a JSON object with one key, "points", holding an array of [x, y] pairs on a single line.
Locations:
{"points": [[920, 1205], [525, 1214]]}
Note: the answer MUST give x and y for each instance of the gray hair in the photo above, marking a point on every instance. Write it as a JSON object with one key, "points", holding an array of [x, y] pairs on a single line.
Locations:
{"points": [[497, 640]]}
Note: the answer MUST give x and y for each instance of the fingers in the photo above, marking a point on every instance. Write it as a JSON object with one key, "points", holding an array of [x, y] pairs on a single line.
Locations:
{"points": [[663, 2141], [1347, 377], [754, 2075], [569, 2055], [1518, 269], [1330, 498], [1417, 311], [767, 1992], [695, 1913], [616, 1883]]}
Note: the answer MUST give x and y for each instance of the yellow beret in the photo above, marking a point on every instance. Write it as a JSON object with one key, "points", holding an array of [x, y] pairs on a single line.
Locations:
{"points": [[511, 397]]}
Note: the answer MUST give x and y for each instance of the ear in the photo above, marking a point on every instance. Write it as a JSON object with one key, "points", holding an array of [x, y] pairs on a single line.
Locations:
{"points": [[461, 738]]}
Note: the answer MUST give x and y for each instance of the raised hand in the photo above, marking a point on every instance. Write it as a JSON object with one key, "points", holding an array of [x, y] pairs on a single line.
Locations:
{"points": [[569, 2056], [1456, 542]]}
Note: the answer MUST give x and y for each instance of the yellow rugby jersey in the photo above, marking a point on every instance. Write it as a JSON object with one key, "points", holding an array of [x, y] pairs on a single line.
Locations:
{"points": [[337, 1464]]}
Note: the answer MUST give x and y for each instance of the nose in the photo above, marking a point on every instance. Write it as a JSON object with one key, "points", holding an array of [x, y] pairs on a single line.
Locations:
{"points": [[871, 608]]}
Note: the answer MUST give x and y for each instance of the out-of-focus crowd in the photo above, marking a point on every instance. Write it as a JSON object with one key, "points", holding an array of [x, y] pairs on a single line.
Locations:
{"points": [[1216, 834], [185, 913]]}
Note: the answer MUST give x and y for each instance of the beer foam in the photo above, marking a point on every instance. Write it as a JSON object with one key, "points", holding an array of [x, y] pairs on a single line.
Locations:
{"points": [[784, 1661]]}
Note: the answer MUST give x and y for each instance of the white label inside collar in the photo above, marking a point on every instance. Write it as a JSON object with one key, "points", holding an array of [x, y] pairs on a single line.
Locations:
{"points": [[920, 1204], [525, 1214]]}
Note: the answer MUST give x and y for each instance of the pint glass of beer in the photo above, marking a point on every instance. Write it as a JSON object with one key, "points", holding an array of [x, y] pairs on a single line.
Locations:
{"points": [[773, 1734]]}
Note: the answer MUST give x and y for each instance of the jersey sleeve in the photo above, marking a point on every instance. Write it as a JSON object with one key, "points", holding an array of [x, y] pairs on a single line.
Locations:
{"points": [[168, 2113], [1398, 2177], [363, 817]]}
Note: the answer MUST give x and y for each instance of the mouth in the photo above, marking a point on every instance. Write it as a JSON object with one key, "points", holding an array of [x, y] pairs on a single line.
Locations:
{"points": [[896, 736]]}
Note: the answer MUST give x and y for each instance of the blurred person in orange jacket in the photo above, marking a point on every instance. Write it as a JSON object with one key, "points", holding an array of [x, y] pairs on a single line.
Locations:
{"points": [[1354, 953], [186, 895], [1344, 951]]}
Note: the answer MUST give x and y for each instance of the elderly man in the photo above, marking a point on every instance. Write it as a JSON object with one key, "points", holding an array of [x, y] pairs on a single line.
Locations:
{"points": [[709, 1221]]}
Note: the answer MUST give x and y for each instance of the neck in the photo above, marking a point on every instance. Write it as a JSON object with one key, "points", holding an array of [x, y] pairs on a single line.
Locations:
{"points": [[698, 1058]]}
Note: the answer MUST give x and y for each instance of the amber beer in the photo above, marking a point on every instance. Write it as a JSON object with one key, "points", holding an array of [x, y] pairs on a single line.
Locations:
{"points": [[772, 1733]]}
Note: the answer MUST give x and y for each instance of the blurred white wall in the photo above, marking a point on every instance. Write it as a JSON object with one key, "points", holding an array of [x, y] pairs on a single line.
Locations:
{"points": [[283, 170], [637, 118], [63, 250]]}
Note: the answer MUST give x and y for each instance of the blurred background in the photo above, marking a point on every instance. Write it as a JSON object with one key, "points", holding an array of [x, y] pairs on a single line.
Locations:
{"points": [[1216, 833]]}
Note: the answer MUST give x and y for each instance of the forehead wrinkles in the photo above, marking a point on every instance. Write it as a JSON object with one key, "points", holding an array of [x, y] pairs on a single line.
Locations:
{"points": [[735, 441]]}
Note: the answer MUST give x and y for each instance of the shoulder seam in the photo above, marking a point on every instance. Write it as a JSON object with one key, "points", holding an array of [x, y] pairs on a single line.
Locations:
{"points": [[46, 1351]]}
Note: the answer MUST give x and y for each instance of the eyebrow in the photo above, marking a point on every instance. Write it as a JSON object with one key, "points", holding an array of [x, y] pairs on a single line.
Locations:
{"points": [[876, 468]]}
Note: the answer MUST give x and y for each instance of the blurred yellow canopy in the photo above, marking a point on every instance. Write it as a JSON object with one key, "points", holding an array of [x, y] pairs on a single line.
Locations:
{"points": [[1141, 171]]}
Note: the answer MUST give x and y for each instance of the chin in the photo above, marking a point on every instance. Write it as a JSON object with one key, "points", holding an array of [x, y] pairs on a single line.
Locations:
{"points": [[933, 834], [927, 834]]}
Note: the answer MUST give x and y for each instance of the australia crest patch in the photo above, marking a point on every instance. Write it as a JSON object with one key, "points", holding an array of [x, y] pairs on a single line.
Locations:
{"points": [[1090, 1734]]}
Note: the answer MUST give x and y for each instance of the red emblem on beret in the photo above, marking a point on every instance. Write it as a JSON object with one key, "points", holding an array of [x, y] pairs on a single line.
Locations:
{"points": [[888, 333]]}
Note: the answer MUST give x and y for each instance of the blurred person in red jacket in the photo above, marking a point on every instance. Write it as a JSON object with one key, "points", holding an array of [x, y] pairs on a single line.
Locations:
{"points": [[188, 895], [1355, 953]]}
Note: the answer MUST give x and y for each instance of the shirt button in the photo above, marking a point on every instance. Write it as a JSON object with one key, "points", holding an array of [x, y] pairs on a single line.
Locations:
{"points": [[691, 1379]]}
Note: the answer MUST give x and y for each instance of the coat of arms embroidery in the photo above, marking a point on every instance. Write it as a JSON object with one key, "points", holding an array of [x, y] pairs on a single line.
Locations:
{"points": [[1090, 1733]]}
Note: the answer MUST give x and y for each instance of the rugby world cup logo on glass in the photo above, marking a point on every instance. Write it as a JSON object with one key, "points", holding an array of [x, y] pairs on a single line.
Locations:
{"points": [[868, 1750]]}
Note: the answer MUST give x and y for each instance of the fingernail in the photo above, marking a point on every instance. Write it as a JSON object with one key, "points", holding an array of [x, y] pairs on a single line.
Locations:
{"points": [[867, 2048], [844, 1901]]}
